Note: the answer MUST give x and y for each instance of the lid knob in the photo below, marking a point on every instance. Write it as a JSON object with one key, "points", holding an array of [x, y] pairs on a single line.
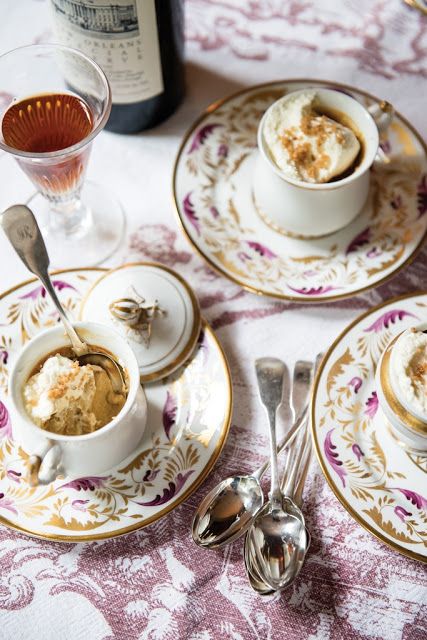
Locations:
{"points": [[154, 308], [137, 315]]}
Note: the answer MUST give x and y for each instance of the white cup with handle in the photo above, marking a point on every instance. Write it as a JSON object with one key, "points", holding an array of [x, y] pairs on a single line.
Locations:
{"points": [[52, 454], [307, 209]]}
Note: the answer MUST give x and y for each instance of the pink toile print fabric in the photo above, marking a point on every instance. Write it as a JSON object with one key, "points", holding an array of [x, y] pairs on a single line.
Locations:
{"points": [[156, 584]]}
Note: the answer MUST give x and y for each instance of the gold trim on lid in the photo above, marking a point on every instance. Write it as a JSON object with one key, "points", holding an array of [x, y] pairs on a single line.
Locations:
{"points": [[192, 340]]}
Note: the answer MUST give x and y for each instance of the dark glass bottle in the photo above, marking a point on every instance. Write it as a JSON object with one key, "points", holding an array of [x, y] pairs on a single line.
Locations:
{"points": [[140, 46]]}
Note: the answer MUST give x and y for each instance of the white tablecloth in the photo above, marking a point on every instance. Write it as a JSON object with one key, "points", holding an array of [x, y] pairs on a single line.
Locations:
{"points": [[155, 584]]}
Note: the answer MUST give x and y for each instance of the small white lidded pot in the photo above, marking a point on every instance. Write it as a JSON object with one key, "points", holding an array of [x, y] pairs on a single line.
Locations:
{"points": [[406, 423], [89, 454], [306, 209]]}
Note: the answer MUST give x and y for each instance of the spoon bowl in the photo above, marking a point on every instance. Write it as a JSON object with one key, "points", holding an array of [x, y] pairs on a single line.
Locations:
{"points": [[227, 511], [234, 502], [255, 578], [275, 551], [278, 542], [110, 366]]}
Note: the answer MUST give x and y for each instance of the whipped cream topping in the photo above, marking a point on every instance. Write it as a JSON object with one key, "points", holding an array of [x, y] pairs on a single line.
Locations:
{"points": [[409, 368], [306, 145], [62, 391]]}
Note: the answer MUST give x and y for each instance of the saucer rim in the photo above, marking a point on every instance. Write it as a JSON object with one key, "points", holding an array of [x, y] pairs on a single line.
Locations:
{"points": [[221, 271], [188, 347], [72, 539], [334, 487]]}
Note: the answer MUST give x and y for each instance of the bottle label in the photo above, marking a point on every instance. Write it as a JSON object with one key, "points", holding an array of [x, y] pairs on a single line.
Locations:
{"points": [[121, 36]]}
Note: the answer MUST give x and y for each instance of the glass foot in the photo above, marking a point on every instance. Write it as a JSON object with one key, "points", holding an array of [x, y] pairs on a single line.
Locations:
{"points": [[89, 244]]}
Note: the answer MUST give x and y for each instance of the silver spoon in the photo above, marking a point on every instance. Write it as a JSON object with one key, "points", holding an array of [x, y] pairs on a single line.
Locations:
{"points": [[255, 578], [269, 554], [277, 545], [278, 541], [301, 385], [22, 230], [229, 509], [296, 556]]}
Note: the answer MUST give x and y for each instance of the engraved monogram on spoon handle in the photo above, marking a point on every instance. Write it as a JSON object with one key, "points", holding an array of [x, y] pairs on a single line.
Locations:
{"points": [[22, 230]]}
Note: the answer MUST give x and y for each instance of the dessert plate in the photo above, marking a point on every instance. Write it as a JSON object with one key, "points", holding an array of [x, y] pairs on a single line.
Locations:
{"points": [[212, 186], [188, 420], [381, 484]]}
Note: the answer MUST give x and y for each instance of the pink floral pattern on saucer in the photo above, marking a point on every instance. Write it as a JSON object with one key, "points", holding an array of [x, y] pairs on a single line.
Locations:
{"points": [[380, 483], [187, 426], [219, 214]]}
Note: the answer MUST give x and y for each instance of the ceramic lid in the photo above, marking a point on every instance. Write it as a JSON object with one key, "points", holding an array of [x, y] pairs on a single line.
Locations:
{"points": [[154, 308]]}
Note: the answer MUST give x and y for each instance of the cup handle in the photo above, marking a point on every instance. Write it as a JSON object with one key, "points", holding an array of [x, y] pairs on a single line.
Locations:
{"points": [[382, 112], [44, 465]]}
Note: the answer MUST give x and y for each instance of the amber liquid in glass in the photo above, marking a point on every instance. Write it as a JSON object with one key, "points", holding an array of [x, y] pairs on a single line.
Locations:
{"points": [[47, 123]]}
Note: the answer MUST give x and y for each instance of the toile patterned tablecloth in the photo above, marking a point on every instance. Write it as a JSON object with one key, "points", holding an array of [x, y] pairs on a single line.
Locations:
{"points": [[155, 584]]}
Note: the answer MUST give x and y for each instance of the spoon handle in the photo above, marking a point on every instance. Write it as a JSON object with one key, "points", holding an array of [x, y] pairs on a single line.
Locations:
{"points": [[271, 374], [305, 464], [296, 457], [285, 442], [296, 453], [22, 230], [301, 385]]}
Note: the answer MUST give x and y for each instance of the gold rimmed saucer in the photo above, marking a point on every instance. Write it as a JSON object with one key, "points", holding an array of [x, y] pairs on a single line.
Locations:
{"points": [[421, 5], [173, 334], [212, 188], [381, 483], [189, 415]]}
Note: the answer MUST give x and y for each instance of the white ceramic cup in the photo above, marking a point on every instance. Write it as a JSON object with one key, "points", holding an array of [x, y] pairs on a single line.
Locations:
{"points": [[407, 425], [311, 210], [91, 453]]}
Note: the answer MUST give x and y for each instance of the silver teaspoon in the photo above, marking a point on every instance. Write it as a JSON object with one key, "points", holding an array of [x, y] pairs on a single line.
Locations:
{"points": [[229, 509], [255, 578], [22, 230], [270, 373], [275, 554]]}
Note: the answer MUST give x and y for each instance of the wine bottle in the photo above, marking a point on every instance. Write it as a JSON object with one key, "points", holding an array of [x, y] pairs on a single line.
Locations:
{"points": [[140, 46]]}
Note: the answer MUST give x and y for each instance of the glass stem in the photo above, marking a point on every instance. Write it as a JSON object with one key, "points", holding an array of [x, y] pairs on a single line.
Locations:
{"points": [[69, 217]]}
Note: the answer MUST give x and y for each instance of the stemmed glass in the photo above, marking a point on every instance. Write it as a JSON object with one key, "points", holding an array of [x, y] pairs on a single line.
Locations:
{"points": [[54, 101]]}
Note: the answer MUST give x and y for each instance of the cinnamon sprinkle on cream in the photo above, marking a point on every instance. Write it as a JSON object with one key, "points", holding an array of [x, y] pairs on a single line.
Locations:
{"points": [[306, 144]]}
